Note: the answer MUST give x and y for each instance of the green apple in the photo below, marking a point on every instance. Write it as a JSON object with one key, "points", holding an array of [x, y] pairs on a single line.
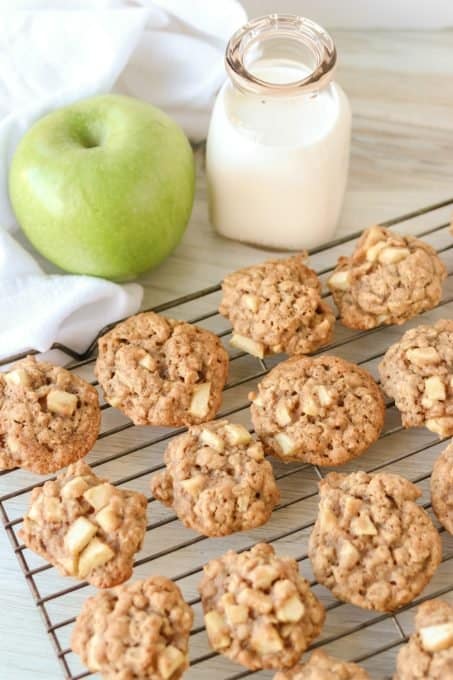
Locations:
{"points": [[104, 186]]}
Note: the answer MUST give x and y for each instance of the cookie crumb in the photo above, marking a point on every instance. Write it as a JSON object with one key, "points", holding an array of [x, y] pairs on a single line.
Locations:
{"points": [[388, 279], [139, 630], [322, 666], [49, 417], [372, 545], [417, 372], [321, 410], [86, 527], [160, 371], [217, 479], [259, 611], [429, 652], [275, 307], [442, 488]]}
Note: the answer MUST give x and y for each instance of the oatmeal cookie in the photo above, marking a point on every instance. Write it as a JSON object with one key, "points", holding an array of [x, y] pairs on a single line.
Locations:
{"points": [[442, 488], [429, 653], [140, 630], [86, 527], [277, 307], [258, 609], [159, 371], [372, 545], [49, 417], [321, 666], [417, 372], [217, 480], [389, 279], [322, 410]]}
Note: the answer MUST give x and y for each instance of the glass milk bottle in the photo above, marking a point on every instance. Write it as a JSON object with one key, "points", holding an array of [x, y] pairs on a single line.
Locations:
{"points": [[278, 144]]}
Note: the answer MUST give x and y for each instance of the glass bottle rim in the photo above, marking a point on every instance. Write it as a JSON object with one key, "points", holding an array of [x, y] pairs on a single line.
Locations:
{"points": [[318, 41]]}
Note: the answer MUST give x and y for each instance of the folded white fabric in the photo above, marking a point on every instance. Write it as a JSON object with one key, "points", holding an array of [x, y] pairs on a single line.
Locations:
{"points": [[37, 309], [168, 52]]}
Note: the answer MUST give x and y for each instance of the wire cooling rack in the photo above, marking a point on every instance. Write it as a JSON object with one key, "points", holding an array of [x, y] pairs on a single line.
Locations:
{"points": [[128, 455]]}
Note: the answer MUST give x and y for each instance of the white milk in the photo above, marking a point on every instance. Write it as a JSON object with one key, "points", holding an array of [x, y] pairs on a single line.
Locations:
{"points": [[277, 165]]}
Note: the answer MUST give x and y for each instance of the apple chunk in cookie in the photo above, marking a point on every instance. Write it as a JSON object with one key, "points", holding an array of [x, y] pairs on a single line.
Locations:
{"points": [[217, 479], [322, 410], [86, 527], [160, 371], [417, 372], [276, 306], [389, 279], [139, 630], [258, 609], [49, 417]]}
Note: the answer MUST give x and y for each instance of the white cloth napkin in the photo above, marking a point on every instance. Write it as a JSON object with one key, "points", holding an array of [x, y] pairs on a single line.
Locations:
{"points": [[168, 52]]}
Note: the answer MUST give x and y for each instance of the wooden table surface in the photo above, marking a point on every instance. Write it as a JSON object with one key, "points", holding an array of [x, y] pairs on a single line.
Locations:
{"points": [[401, 90]]}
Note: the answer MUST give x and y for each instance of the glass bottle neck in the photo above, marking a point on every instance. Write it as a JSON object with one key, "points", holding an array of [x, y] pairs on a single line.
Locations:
{"points": [[280, 55]]}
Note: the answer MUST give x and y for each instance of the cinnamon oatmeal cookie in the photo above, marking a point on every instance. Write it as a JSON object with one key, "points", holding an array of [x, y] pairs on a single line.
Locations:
{"points": [[160, 371], [417, 372], [217, 480], [140, 630], [86, 527], [429, 653], [321, 666], [442, 488], [49, 417], [322, 410], [277, 307], [372, 545], [258, 609], [389, 278]]}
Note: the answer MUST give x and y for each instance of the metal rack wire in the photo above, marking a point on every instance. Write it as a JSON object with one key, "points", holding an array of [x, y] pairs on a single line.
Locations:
{"points": [[129, 455]]}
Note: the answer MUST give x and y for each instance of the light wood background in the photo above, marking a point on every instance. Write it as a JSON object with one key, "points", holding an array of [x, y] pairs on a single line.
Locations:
{"points": [[362, 14], [401, 89]]}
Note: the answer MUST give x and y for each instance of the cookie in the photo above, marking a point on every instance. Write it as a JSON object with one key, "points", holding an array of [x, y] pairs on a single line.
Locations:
{"points": [[217, 480], [160, 371], [321, 410], [429, 653], [389, 279], [442, 488], [417, 372], [321, 666], [277, 307], [139, 630], [86, 527], [49, 417], [372, 545], [258, 609]]}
